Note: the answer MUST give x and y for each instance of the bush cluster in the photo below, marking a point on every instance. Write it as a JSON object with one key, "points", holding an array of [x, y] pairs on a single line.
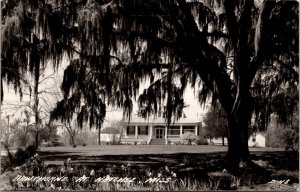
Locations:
{"points": [[19, 158]]}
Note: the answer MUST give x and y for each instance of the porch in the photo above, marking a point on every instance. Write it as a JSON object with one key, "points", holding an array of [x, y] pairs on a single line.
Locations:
{"points": [[156, 134]]}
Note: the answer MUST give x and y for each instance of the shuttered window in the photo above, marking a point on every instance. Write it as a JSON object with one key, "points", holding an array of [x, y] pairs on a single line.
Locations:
{"points": [[130, 130], [143, 130]]}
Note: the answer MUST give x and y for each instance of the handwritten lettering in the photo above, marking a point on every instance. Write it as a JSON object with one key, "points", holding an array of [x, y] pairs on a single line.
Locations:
{"points": [[39, 179], [158, 180], [106, 179], [82, 179]]}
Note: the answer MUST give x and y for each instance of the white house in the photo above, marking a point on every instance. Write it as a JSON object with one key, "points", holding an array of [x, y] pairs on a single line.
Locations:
{"points": [[257, 140], [155, 131], [110, 135], [217, 141]]}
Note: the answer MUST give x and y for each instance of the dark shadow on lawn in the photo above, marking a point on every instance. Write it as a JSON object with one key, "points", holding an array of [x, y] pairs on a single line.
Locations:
{"points": [[286, 160], [210, 161]]}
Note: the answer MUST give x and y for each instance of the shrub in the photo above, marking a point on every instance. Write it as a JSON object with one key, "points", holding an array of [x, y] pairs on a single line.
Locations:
{"points": [[20, 157], [31, 149], [21, 138], [188, 137], [201, 141], [115, 142], [291, 140]]}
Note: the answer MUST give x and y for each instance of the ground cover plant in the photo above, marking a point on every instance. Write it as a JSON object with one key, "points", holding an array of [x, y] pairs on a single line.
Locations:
{"points": [[18, 158], [57, 170]]}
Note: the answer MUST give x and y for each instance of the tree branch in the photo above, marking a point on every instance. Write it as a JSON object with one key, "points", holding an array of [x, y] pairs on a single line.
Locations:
{"points": [[232, 23], [215, 33], [260, 37]]}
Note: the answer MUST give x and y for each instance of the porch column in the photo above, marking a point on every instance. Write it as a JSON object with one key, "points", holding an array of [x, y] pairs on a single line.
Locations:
{"points": [[166, 132], [180, 129], [196, 130], [124, 131], [150, 134], [136, 131]]}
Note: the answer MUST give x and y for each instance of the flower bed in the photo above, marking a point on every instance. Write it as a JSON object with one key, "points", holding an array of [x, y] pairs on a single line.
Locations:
{"points": [[36, 176], [187, 175]]}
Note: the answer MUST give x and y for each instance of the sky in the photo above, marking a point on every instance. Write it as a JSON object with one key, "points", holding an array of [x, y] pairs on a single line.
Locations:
{"points": [[14, 107]]}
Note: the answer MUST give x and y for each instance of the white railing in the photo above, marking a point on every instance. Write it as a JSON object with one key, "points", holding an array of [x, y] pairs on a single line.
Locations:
{"points": [[173, 136]]}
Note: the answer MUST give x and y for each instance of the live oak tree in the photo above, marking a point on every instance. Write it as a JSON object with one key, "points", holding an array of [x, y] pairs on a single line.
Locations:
{"points": [[228, 50]]}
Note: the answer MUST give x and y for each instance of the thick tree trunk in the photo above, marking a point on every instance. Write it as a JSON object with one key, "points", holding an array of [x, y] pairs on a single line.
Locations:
{"points": [[238, 122], [237, 148], [245, 155]]}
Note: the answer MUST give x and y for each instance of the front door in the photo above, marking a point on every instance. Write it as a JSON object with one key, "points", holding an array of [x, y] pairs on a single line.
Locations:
{"points": [[159, 133]]}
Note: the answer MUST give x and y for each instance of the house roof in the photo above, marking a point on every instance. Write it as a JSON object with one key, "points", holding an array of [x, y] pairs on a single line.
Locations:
{"points": [[160, 121]]}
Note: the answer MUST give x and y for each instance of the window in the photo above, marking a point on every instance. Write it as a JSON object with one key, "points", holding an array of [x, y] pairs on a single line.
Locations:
{"points": [[174, 130], [186, 129], [143, 130], [130, 130]]}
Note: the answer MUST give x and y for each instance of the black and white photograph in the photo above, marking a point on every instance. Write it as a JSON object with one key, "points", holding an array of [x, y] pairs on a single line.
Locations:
{"points": [[149, 95]]}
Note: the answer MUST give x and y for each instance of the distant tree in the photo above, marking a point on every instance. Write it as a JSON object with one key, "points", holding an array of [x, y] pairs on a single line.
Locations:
{"points": [[49, 133], [38, 103], [119, 126], [283, 136], [274, 136], [22, 135], [291, 135], [216, 124], [72, 130], [27, 47], [291, 139], [4, 132]]}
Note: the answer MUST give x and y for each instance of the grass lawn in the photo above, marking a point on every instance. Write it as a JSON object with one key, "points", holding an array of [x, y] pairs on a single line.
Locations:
{"points": [[206, 156], [202, 164], [139, 154], [144, 149], [142, 155]]}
